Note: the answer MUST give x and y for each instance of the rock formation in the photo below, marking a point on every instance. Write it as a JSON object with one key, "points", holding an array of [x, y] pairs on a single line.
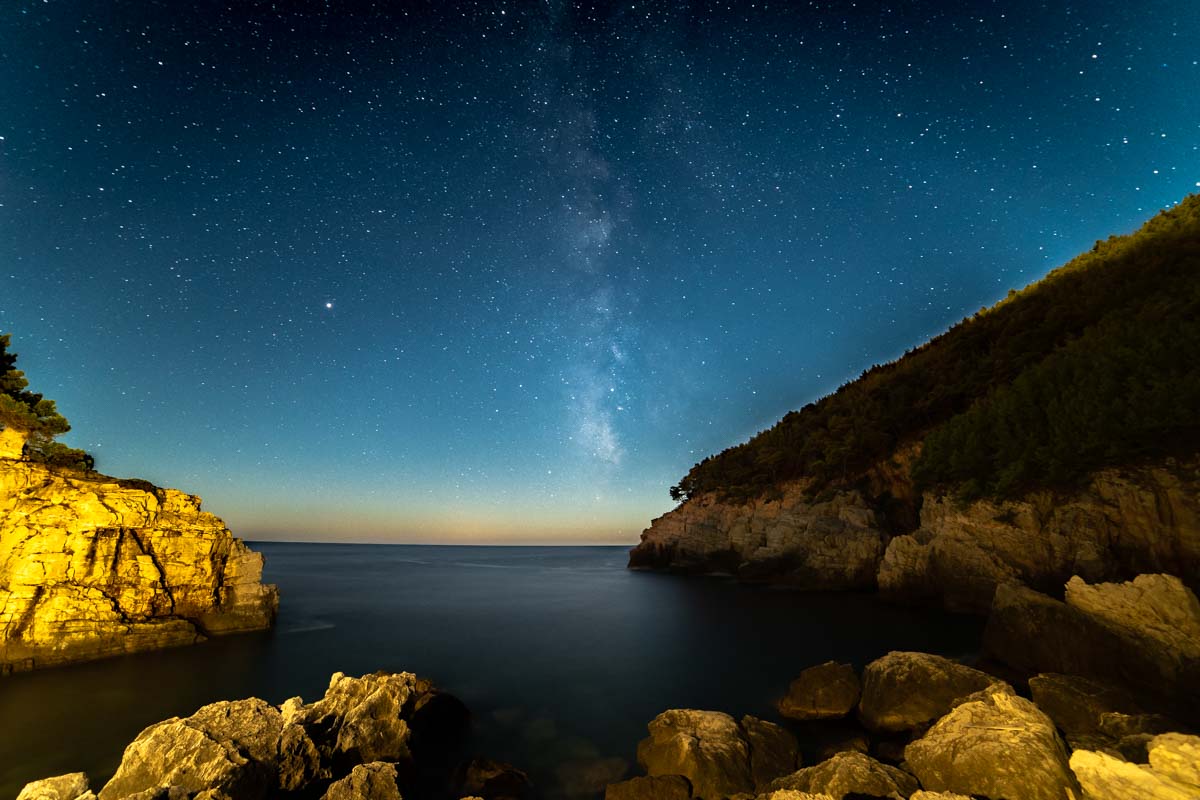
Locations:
{"points": [[1143, 636], [828, 544], [826, 691], [1123, 522], [962, 734], [93, 566], [372, 737]]}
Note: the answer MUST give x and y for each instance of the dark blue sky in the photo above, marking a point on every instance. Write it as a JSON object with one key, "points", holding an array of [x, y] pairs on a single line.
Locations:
{"points": [[505, 271]]}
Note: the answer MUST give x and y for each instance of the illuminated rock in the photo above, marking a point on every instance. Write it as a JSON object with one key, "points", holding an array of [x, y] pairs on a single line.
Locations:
{"points": [[93, 566]]}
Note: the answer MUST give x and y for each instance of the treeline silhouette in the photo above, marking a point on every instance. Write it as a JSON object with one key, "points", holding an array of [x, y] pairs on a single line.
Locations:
{"points": [[1096, 364]]}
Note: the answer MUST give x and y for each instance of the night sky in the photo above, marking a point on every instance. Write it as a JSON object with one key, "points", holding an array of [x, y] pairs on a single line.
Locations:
{"points": [[503, 271]]}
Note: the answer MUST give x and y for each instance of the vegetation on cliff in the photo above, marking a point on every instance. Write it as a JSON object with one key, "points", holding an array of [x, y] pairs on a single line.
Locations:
{"points": [[34, 415], [1091, 366]]}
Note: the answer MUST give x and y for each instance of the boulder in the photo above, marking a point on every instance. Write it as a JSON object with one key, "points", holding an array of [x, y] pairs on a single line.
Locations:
{"points": [[924, 795], [993, 744], [1103, 777], [826, 691], [773, 750], [1177, 756], [1076, 704], [706, 747], [1155, 614], [849, 773], [360, 720], [1111, 632], [791, 794], [1036, 633], [903, 691], [229, 746], [374, 781], [63, 787], [653, 787]]}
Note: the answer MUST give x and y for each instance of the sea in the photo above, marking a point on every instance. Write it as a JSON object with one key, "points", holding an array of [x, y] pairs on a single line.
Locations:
{"points": [[561, 653]]}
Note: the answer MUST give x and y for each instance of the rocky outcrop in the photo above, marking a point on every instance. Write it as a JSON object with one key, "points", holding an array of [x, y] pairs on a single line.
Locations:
{"points": [[904, 691], [357, 741], [850, 774], [833, 543], [718, 756], [1172, 773], [1123, 522], [1141, 636], [826, 691], [993, 744], [93, 566]]}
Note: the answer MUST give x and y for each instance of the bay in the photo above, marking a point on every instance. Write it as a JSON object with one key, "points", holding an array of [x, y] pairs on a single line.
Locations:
{"points": [[561, 653]]}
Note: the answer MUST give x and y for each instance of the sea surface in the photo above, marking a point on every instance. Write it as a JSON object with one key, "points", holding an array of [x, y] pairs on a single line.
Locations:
{"points": [[561, 653]]}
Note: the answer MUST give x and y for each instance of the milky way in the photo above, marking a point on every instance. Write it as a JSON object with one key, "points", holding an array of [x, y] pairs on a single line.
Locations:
{"points": [[504, 271]]}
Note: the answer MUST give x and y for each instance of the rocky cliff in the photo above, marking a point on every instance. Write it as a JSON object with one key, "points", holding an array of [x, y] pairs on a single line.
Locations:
{"points": [[93, 566], [1120, 523]]}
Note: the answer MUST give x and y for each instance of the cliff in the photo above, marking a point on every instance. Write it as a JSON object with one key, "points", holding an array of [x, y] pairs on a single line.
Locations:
{"points": [[93, 566], [1120, 523], [1051, 435]]}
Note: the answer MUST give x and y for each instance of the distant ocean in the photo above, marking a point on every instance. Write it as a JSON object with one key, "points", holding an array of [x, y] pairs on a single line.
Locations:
{"points": [[561, 654]]}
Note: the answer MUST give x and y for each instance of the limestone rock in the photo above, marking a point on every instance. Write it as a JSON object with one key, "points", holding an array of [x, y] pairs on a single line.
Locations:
{"points": [[654, 787], [1123, 521], [792, 538], [1076, 704], [1036, 633], [792, 794], [826, 691], [93, 566], [706, 747], [903, 690], [360, 720], [1156, 614], [63, 787], [229, 746], [994, 744], [773, 750], [1103, 777], [1177, 756], [924, 795], [373, 781], [850, 773]]}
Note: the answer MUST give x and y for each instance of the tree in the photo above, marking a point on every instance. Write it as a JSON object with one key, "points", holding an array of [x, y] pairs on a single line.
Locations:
{"points": [[35, 416]]}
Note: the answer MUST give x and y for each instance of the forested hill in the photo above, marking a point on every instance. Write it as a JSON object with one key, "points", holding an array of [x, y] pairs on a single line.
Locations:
{"points": [[1096, 364]]}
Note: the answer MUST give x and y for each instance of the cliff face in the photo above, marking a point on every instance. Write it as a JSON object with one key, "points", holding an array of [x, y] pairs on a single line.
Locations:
{"points": [[92, 566], [834, 544], [1124, 521]]}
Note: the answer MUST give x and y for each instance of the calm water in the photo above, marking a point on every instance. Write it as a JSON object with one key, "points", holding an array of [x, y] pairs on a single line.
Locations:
{"points": [[561, 653]]}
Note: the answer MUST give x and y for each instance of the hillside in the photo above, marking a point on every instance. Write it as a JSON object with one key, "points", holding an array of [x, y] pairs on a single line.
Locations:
{"points": [[1091, 366], [1051, 435]]}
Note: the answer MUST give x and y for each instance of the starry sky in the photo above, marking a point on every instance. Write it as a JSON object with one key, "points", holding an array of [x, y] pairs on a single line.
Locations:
{"points": [[503, 271]]}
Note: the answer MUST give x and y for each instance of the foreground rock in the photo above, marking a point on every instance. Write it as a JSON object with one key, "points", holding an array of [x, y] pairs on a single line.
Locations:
{"points": [[828, 544], [903, 691], [368, 737], [92, 566], [653, 787], [993, 744], [850, 773], [716, 755], [1143, 635], [1172, 774], [826, 691]]}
